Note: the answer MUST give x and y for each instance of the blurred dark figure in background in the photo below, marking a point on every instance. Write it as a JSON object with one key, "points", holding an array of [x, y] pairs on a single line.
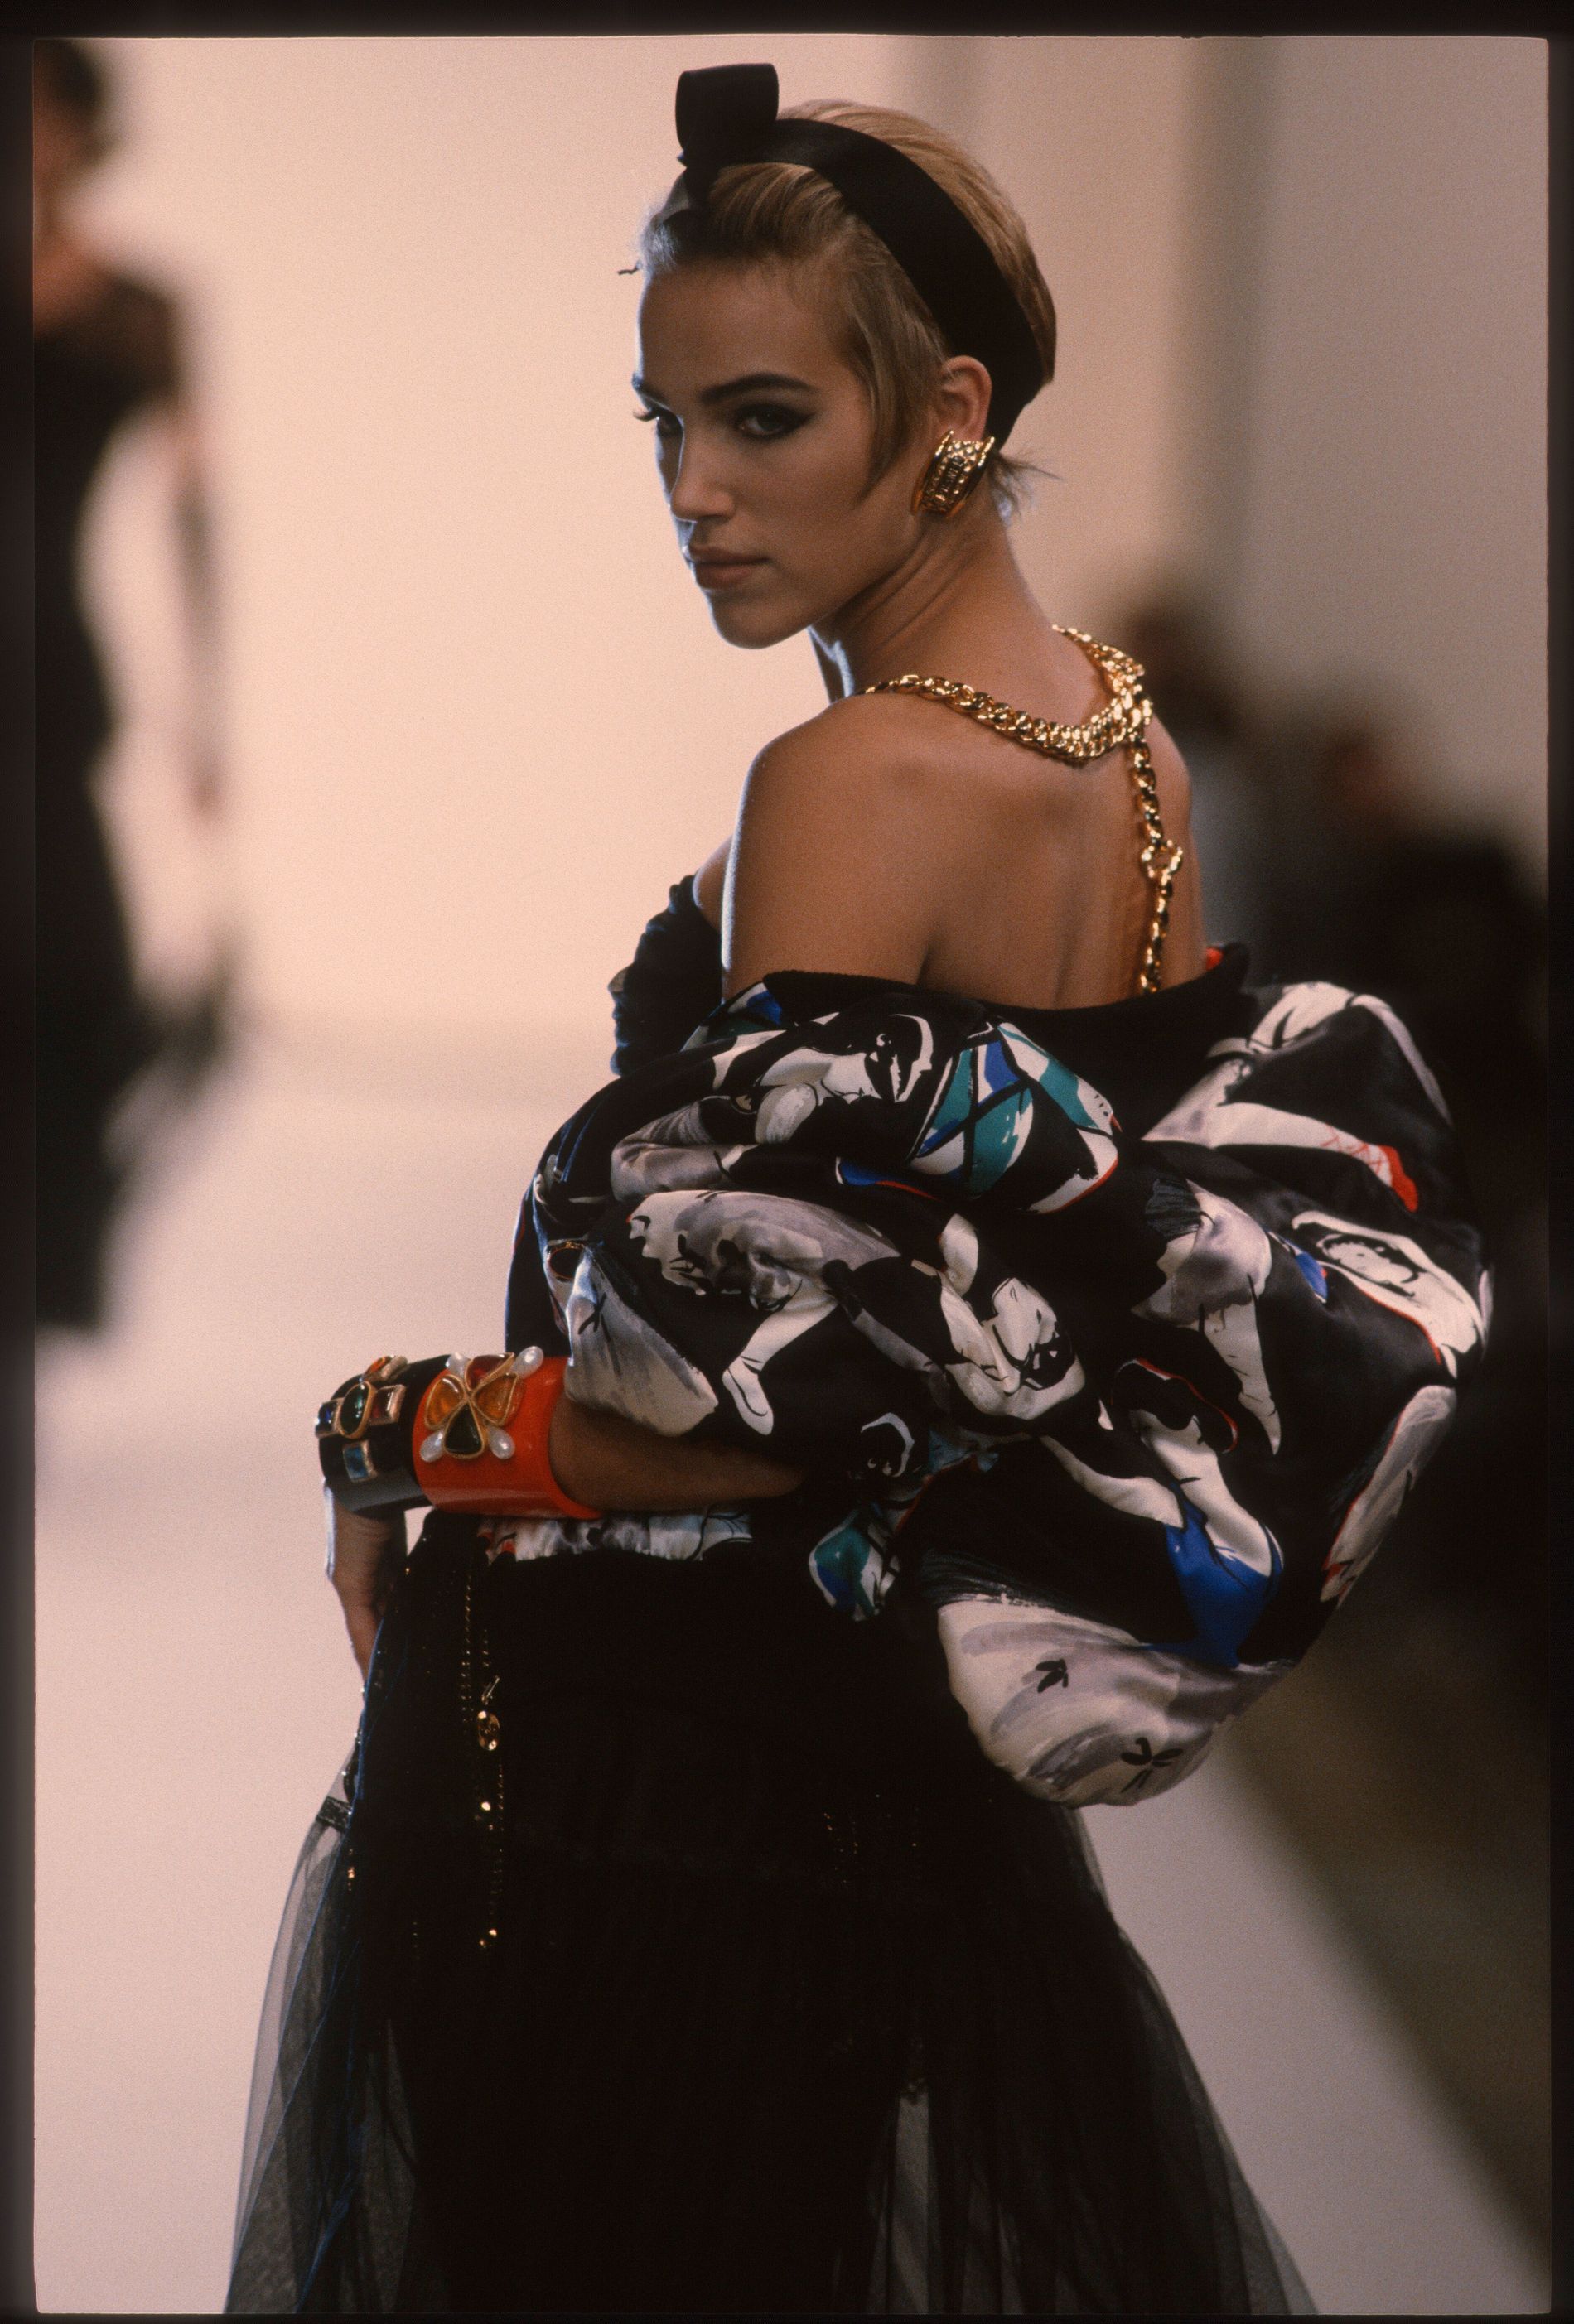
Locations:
{"points": [[1409, 1761], [1366, 892], [1439, 918], [106, 347], [1426, 1806], [1320, 857]]}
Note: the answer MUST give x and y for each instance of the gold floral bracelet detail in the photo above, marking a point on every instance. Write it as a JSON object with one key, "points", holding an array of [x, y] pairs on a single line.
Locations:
{"points": [[470, 1403]]}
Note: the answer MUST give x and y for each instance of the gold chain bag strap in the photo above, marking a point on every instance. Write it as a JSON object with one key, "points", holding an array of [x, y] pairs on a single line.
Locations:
{"points": [[1122, 723]]}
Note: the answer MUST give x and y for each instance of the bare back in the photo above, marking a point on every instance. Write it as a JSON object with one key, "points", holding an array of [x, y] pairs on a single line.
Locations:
{"points": [[988, 868]]}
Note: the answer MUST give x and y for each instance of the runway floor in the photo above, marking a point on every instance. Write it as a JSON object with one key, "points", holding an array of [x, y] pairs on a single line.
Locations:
{"points": [[196, 1696]]}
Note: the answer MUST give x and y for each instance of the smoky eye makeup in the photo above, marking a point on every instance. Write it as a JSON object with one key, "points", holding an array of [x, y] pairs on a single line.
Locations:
{"points": [[757, 422], [762, 422]]}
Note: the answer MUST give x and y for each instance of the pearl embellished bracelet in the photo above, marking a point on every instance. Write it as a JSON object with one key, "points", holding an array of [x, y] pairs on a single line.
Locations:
{"points": [[457, 1432], [483, 1429]]}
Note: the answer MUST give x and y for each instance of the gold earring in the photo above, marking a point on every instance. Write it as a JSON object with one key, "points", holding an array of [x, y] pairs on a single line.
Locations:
{"points": [[952, 473]]}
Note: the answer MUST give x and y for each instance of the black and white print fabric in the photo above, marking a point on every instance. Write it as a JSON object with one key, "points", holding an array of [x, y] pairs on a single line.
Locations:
{"points": [[1133, 1412]]}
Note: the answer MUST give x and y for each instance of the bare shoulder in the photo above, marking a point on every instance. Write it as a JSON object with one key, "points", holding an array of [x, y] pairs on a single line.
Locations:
{"points": [[808, 792], [829, 787], [860, 740], [826, 873], [841, 780]]}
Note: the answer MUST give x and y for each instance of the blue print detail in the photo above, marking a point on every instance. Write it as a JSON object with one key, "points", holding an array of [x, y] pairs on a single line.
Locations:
{"points": [[1315, 1275], [950, 1116], [996, 1070], [986, 1109], [856, 1174], [1224, 1596], [760, 1004], [849, 1570]]}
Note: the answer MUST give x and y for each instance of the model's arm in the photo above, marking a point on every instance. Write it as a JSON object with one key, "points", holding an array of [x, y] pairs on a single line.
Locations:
{"points": [[193, 520], [598, 1458], [191, 512], [160, 351], [612, 1463]]}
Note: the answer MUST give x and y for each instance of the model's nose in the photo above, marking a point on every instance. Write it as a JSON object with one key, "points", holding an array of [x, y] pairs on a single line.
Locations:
{"points": [[697, 492]]}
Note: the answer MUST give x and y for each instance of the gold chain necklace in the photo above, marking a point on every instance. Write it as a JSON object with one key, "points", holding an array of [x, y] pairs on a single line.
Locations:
{"points": [[1122, 723]]}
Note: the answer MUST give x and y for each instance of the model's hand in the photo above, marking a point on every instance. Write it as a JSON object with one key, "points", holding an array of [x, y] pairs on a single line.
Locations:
{"points": [[363, 1553]]}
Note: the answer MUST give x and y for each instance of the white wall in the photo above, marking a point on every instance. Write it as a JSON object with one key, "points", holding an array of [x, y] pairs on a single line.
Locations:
{"points": [[1393, 458], [478, 717], [1093, 138]]}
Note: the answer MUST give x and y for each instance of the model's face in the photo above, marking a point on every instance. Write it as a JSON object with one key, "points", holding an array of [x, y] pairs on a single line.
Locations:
{"points": [[762, 439]]}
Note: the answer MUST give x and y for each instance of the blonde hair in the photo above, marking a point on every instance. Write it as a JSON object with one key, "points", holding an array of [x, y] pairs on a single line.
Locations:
{"points": [[780, 212]]}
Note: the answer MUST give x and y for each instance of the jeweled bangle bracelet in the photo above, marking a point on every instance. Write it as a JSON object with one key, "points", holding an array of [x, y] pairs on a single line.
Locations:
{"points": [[460, 1433]]}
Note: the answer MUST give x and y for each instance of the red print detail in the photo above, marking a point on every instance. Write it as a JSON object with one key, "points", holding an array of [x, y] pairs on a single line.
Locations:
{"points": [[1400, 1179]]}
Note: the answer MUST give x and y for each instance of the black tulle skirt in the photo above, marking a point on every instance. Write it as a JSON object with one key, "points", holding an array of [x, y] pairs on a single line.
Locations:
{"points": [[670, 1947]]}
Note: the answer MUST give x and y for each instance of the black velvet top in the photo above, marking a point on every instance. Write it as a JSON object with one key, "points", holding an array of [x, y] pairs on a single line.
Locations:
{"points": [[1141, 1052]]}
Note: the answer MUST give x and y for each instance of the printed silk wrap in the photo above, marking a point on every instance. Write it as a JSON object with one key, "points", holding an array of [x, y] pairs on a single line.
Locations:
{"points": [[1132, 1413]]}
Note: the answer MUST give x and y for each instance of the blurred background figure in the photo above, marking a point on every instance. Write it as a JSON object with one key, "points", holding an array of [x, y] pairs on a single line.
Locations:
{"points": [[1324, 851], [106, 349], [1369, 891], [1324, 848], [1437, 918]]}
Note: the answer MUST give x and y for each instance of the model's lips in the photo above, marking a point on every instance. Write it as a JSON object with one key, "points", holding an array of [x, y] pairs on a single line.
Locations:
{"points": [[722, 569]]}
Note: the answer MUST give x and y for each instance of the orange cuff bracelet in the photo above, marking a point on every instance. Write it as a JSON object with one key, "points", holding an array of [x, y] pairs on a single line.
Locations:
{"points": [[480, 1437]]}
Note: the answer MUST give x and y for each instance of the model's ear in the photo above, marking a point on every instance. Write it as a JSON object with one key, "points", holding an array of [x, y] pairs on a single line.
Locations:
{"points": [[962, 398]]}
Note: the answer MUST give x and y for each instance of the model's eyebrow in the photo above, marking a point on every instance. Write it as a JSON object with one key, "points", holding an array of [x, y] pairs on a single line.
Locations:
{"points": [[749, 384]]}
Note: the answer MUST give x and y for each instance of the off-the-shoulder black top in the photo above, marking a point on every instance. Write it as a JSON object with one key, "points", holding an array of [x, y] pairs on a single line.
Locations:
{"points": [[1141, 1052]]}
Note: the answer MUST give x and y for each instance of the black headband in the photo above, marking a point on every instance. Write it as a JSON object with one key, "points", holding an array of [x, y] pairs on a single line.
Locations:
{"points": [[727, 114]]}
